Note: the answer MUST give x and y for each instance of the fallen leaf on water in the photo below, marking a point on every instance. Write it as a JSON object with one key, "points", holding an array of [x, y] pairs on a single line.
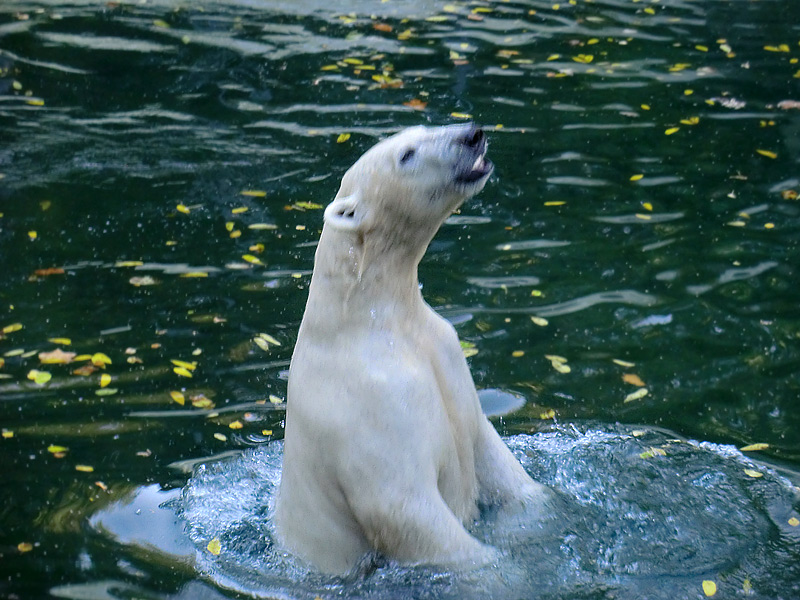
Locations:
{"points": [[460, 115], [252, 259], [239, 210], [767, 153], [637, 177], [56, 357], [142, 281], [651, 452], [671, 130], [275, 399], [85, 370], [182, 372], [253, 193], [518, 353], [262, 226], [194, 274], [54, 449], [468, 348], [583, 58], [559, 363], [24, 547], [540, 321], [637, 395], [261, 343], [382, 27], [106, 391], [7, 434], [548, 414], [221, 437], [754, 447], [39, 377], [49, 271], [84, 468], [214, 546], [343, 137], [633, 379], [306, 205], [235, 425], [62, 340], [794, 521], [105, 379], [416, 104], [753, 473], [709, 587], [191, 366], [178, 397], [182, 208], [12, 328]]}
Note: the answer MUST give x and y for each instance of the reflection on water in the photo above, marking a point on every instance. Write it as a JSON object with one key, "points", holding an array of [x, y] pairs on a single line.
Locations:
{"points": [[640, 514], [162, 166]]}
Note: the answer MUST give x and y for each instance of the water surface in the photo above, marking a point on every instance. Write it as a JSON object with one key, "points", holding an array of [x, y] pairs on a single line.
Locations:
{"points": [[162, 166]]}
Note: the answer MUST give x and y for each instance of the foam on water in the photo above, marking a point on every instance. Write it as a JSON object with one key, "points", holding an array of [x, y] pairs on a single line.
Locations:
{"points": [[628, 522]]}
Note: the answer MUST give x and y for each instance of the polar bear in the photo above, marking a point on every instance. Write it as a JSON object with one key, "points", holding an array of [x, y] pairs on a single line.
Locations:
{"points": [[386, 449]]}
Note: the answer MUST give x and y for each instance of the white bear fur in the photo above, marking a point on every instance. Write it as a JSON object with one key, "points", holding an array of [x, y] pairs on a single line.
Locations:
{"points": [[386, 448]]}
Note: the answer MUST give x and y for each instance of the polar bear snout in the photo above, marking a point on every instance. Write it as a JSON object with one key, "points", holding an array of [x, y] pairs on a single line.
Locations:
{"points": [[472, 167]]}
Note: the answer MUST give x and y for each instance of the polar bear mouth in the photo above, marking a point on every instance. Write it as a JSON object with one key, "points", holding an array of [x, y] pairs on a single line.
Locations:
{"points": [[473, 166], [481, 168]]}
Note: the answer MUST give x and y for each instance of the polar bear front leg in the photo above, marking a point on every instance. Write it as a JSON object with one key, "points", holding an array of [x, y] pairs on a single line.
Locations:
{"points": [[502, 480], [408, 521]]}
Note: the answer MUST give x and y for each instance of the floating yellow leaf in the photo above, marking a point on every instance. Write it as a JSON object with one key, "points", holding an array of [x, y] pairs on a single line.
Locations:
{"points": [[645, 107], [753, 473], [518, 353], [178, 397], [306, 205], [7, 434], [583, 58], [671, 130], [269, 339], [767, 153], [105, 379], [262, 226], [252, 259], [239, 210], [701, 48], [754, 447], [235, 425], [100, 360], [253, 193], [794, 521], [128, 263], [194, 274], [183, 372], [261, 343], [709, 587], [221, 437], [62, 340], [555, 203], [343, 137], [182, 208], [637, 395], [54, 449], [651, 452], [633, 379], [275, 399], [637, 177], [12, 328], [779, 48], [468, 348], [84, 468], [459, 115], [39, 377], [540, 321], [35, 102], [191, 366], [56, 357], [691, 121], [24, 547], [548, 414], [214, 546], [559, 363], [161, 23], [106, 391]]}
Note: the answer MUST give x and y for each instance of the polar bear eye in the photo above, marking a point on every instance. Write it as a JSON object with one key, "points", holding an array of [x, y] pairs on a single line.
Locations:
{"points": [[407, 155]]}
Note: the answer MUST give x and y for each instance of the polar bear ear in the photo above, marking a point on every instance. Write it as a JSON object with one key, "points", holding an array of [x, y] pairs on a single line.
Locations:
{"points": [[345, 213]]}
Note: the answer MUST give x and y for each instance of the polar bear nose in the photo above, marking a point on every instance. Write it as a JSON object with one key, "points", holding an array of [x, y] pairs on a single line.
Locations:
{"points": [[473, 138]]}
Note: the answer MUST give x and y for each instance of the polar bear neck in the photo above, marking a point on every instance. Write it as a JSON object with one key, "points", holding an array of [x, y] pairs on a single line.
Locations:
{"points": [[369, 274]]}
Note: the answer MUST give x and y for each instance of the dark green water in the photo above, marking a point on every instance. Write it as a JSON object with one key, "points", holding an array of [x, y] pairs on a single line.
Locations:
{"points": [[128, 132]]}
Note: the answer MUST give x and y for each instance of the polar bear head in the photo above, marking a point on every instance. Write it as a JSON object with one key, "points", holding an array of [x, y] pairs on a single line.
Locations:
{"points": [[405, 186]]}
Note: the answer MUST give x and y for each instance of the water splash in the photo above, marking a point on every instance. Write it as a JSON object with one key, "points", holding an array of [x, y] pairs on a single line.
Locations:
{"points": [[638, 514]]}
